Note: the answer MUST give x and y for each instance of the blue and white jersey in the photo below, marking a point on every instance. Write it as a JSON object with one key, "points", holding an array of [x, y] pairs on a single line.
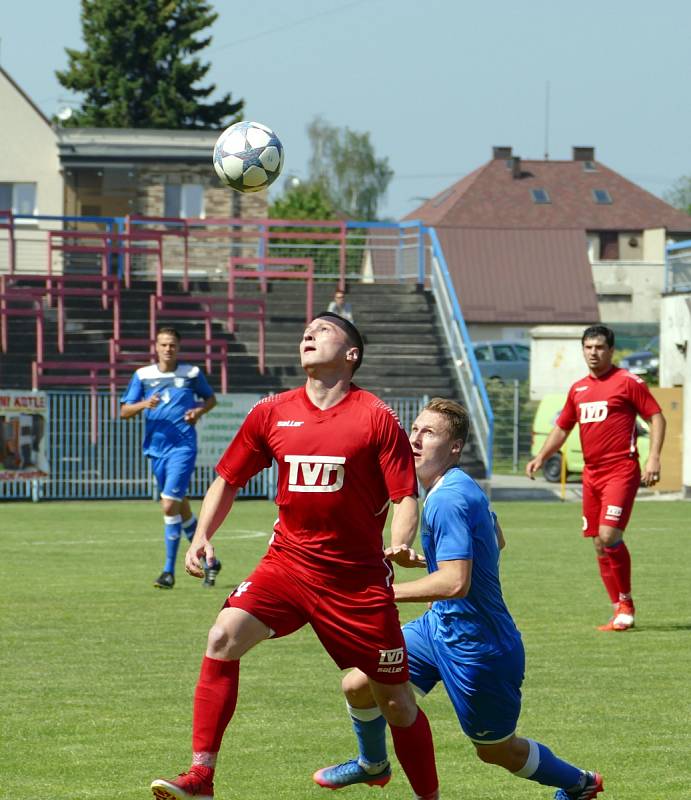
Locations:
{"points": [[165, 427], [457, 524]]}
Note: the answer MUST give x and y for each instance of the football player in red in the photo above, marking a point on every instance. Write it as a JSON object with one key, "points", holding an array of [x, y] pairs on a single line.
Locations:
{"points": [[342, 458], [605, 404]]}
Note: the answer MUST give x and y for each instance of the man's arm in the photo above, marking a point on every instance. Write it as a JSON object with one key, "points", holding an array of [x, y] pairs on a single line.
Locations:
{"points": [[554, 441], [403, 530], [651, 471], [192, 415], [452, 579], [128, 410], [216, 506]]}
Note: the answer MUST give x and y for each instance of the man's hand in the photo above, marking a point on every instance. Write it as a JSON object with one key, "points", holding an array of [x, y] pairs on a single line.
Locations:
{"points": [[405, 556], [651, 472], [151, 402], [192, 415], [195, 552], [533, 466]]}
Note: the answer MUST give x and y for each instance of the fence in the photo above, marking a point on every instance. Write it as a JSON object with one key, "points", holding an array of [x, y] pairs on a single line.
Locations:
{"points": [[513, 424], [111, 465]]}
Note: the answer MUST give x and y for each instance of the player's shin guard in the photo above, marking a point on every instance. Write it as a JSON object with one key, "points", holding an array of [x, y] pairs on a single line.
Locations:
{"points": [[215, 699], [415, 750], [173, 531], [544, 767], [607, 576], [370, 730], [620, 562]]}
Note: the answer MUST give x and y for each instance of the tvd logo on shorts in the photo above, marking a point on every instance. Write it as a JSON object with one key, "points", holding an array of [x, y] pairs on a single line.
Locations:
{"points": [[391, 660], [315, 473]]}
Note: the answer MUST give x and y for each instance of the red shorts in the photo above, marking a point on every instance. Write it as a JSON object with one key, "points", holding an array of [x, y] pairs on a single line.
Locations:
{"points": [[359, 628], [608, 495]]}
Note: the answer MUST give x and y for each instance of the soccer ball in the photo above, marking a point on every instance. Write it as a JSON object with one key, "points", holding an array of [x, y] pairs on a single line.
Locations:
{"points": [[248, 156]]}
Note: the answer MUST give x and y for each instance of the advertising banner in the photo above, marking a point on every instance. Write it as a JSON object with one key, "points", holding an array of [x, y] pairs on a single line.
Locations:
{"points": [[23, 435]]}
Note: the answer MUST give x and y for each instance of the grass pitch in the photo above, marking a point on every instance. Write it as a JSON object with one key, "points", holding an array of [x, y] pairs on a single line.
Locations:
{"points": [[98, 668]]}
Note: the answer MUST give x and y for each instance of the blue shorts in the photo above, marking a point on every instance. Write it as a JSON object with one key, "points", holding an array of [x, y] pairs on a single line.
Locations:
{"points": [[173, 473], [486, 695]]}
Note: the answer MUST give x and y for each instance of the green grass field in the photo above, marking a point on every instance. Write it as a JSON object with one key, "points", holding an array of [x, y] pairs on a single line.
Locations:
{"points": [[98, 668]]}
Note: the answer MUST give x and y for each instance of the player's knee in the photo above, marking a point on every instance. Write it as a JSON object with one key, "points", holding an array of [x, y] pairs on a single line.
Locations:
{"points": [[356, 689], [220, 644], [609, 536], [400, 709]]}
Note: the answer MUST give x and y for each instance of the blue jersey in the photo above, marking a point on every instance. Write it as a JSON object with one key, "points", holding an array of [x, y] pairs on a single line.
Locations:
{"points": [[165, 427], [457, 524]]}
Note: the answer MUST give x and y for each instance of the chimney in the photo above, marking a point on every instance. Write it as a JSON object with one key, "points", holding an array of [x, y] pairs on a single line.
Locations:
{"points": [[501, 153], [516, 167], [583, 153]]}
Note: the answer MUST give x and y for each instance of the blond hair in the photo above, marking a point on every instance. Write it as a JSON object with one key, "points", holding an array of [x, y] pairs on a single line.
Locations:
{"points": [[456, 416]]}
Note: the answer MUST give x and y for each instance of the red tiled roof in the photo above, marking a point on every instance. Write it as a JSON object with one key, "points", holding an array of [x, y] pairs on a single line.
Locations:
{"points": [[522, 276], [491, 197]]}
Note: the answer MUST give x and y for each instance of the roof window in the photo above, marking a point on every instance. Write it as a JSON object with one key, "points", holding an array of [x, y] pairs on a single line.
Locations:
{"points": [[602, 197], [540, 196], [589, 166]]}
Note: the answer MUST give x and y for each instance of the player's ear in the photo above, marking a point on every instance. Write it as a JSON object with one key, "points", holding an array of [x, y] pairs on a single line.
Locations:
{"points": [[352, 354], [457, 446]]}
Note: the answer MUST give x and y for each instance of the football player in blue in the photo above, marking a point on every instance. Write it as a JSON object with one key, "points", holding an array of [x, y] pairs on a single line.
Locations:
{"points": [[467, 640], [169, 393]]}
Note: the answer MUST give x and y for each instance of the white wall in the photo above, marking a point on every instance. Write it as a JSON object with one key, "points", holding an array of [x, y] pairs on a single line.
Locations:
{"points": [[556, 359], [29, 149], [629, 291], [675, 364]]}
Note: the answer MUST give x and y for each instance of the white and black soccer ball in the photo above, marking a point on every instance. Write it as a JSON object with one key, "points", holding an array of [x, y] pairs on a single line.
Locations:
{"points": [[248, 156]]}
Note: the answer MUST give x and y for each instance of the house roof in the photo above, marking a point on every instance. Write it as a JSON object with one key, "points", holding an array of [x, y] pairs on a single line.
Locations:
{"points": [[498, 195], [521, 276], [91, 146]]}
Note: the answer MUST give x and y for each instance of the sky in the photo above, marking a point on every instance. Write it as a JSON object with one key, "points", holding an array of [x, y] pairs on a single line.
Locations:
{"points": [[436, 83]]}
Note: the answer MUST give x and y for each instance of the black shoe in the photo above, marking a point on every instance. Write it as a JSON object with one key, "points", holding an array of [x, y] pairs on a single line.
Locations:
{"points": [[210, 573], [166, 580]]}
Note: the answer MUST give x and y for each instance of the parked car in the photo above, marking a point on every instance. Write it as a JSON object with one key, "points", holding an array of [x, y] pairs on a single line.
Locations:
{"points": [[644, 362], [546, 415], [503, 360]]}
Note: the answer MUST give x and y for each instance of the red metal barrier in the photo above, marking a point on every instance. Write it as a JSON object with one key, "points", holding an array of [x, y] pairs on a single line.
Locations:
{"points": [[263, 274], [19, 303]]}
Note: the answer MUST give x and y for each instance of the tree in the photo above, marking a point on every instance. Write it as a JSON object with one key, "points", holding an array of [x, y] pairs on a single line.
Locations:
{"points": [[303, 201], [139, 68], [679, 195], [343, 161]]}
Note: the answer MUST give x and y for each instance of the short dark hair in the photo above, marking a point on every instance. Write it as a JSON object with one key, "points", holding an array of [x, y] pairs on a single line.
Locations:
{"points": [[456, 416], [170, 331], [353, 334], [594, 331]]}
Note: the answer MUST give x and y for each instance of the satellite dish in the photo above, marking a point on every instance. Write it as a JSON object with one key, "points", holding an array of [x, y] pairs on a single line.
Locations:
{"points": [[64, 114]]}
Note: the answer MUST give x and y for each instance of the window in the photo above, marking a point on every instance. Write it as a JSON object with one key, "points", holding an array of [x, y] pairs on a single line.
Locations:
{"points": [[523, 352], [589, 166], [504, 352], [482, 353], [184, 200], [540, 196], [19, 197], [602, 197]]}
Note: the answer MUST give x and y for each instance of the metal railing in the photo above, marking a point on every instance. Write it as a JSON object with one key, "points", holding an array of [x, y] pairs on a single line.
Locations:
{"points": [[111, 465], [462, 355]]}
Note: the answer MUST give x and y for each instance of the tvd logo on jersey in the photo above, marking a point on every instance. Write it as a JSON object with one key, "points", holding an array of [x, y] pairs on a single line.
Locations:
{"points": [[593, 412], [315, 473]]}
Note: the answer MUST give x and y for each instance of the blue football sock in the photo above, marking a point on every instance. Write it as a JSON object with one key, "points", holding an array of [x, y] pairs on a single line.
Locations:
{"points": [[370, 730], [544, 767], [189, 526], [173, 531]]}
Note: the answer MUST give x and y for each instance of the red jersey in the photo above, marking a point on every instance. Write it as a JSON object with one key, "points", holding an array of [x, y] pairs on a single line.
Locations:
{"points": [[606, 409], [337, 470]]}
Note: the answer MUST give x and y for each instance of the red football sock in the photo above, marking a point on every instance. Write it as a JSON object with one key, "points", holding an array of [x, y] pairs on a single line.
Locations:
{"points": [[605, 566], [215, 699], [620, 560], [415, 750]]}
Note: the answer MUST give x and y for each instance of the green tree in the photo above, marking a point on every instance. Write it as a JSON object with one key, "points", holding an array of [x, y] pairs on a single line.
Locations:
{"points": [[679, 195], [344, 162], [139, 68], [303, 201]]}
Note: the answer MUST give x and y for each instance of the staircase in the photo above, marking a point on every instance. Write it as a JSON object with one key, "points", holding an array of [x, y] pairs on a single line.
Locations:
{"points": [[405, 354]]}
